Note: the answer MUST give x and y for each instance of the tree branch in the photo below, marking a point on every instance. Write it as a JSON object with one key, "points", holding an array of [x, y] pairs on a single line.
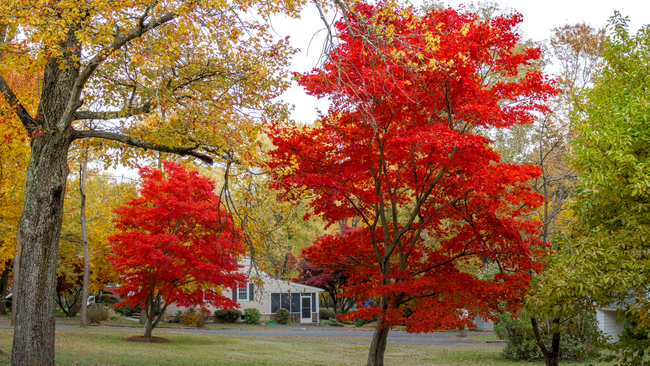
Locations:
{"points": [[93, 64], [133, 141], [129, 112], [15, 104]]}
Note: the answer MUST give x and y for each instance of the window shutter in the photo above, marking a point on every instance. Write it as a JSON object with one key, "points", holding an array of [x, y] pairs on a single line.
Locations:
{"points": [[234, 294], [251, 291]]}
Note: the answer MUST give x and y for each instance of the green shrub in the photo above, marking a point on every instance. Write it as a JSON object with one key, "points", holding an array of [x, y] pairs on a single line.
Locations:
{"points": [[252, 316], [358, 322], [126, 310], [326, 314], [220, 315], [233, 315], [108, 299], [96, 314], [333, 323], [178, 316], [578, 340], [282, 316]]}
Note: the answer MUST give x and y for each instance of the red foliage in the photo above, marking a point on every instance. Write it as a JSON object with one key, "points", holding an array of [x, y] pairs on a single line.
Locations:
{"points": [[176, 242], [403, 147], [332, 277]]}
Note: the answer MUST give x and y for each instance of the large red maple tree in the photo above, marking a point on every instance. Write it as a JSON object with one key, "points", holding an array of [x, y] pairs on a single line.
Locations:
{"points": [[404, 148], [175, 244]]}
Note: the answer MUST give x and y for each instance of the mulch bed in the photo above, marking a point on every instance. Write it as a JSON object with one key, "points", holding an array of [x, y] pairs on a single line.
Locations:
{"points": [[147, 340]]}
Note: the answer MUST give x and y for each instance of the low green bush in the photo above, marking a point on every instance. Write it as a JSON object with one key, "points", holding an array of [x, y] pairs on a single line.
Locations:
{"points": [[220, 316], [233, 315], [252, 316], [333, 323], [178, 316], [282, 316], [127, 310], [577, 343], [358, 322], [326, 314], [108, 299]]}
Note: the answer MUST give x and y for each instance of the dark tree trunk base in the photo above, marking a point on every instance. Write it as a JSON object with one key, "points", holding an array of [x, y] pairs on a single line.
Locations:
{"points": [[378, 347], [39, 229]]}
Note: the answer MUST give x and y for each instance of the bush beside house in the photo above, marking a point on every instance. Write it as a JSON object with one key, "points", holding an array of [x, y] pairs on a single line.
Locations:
{"points": [[282, 316]]}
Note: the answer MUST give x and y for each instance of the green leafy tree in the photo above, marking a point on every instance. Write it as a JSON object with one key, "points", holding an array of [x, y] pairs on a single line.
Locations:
{"points": [[605, 258]]}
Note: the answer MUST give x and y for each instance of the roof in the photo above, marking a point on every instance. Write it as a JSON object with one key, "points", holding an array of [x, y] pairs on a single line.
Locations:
{"points": [[317, 289]]}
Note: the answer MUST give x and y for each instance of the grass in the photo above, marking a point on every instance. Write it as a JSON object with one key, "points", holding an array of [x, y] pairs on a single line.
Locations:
{"points": [[76, 346], [123, 322]]}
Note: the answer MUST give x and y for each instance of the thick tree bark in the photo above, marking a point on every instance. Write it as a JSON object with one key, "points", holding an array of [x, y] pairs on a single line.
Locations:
{"points": [[16, 279], [40, 227], [378, 346], [552, 355], [84, 236]]}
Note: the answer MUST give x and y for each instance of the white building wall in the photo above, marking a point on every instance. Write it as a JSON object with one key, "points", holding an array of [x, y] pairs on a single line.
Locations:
{"points": [[483, 325], [262, 298], [610, 322]]}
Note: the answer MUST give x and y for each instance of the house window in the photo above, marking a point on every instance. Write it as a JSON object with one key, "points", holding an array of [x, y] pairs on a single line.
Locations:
{"points": [[242, 294]]}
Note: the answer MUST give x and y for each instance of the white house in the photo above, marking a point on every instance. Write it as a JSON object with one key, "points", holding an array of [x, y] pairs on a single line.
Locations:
{"points": [[610, 321], [300, 300]]}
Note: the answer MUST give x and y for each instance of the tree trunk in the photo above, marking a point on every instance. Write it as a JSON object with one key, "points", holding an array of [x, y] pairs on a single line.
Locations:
{"points": [[378, 346], [150, 314], [16, 279], [143, 317], [148, 327], [4, 280], [552, 355], [40, 227], [84, 235]]}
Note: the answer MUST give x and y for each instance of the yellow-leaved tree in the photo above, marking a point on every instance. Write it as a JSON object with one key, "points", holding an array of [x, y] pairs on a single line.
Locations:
{"points": [[104, 194], [14, 147], [186, 77]]}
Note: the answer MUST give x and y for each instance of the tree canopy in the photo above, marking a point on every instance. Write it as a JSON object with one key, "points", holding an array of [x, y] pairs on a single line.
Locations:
{"points": [[403, 149], [174, 242]]}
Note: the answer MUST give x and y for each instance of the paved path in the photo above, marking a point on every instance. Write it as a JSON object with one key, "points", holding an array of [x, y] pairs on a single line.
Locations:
{"points": [[291, 333]]}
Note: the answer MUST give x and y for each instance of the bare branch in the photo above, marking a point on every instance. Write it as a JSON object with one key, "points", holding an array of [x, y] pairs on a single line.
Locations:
{"points": [[133, 141], [129, 112]]}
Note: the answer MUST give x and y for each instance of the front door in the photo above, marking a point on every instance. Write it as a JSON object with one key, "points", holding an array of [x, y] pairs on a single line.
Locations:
{"points": [[305, 309]]}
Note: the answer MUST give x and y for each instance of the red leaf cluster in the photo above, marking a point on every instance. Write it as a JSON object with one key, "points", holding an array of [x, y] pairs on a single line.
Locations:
{"points": [[176, 242]]}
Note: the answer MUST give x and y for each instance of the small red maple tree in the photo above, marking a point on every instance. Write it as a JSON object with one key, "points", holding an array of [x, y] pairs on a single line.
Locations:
{"points": [[403, 148], [175, 243]]}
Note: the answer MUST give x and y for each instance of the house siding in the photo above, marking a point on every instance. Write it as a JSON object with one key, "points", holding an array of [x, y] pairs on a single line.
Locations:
{"points": [[610, 322], [262, 297]]}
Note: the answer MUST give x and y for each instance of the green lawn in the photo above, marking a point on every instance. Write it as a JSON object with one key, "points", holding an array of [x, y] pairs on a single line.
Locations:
{"points": [[76, 346], [123, 322]]}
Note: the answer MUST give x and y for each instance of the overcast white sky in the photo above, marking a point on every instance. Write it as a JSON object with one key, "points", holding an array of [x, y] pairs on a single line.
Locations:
{"points": [[539, 18]]}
